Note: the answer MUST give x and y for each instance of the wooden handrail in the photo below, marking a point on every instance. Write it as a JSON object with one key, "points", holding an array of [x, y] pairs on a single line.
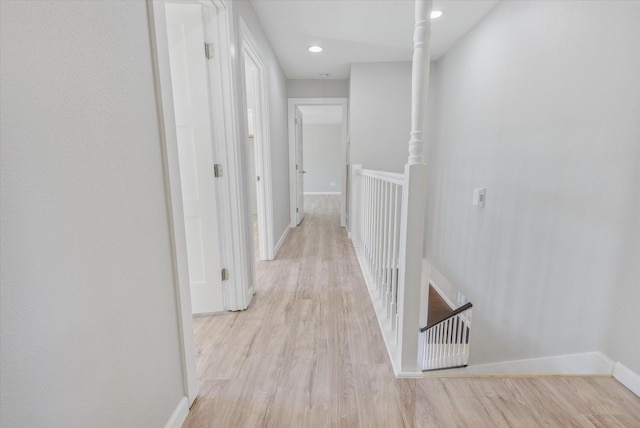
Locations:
{"points": [[447, 316]]}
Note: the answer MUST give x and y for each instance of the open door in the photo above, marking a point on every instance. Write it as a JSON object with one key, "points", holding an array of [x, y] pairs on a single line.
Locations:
{"points": [[299, 169], [256, 142], [295, 120], [185, 30]]}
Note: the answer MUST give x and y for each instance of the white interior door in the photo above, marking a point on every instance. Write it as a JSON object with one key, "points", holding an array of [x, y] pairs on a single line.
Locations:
{"points": [[256, 155], [192, 111], [299, 169]]}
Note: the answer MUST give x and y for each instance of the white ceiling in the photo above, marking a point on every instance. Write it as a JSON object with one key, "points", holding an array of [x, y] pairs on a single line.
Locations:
{"points": [[316, 115], [352, 31]]}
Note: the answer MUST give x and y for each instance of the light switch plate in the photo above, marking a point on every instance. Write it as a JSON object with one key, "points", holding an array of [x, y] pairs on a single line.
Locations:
{"points": [[479, 194]]}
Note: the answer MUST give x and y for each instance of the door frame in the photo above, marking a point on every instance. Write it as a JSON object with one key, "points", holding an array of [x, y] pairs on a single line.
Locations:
{"points": [[299, 167], [304, 102], [202, 304], [233, 253], [249, 47]]}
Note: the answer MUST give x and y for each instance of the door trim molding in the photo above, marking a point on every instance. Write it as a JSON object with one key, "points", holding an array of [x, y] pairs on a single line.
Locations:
{"points": [[299, 102], [231, 254], [235, 254], [164, 97], [298, 127], [250, 48]]}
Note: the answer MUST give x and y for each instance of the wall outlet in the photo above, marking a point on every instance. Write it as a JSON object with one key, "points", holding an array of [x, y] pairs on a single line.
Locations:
{"points": [[332, 184]]}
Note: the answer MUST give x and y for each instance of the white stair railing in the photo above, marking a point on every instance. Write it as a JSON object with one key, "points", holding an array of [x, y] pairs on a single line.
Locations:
{"points": [[445, 342], [375, 232], [380, 231]]}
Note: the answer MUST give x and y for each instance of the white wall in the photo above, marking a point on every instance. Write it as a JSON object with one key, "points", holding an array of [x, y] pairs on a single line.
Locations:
{"points": [[89, 327], [540, 103], [277, 98], [317, 88], [380, 115], [322, 160]]}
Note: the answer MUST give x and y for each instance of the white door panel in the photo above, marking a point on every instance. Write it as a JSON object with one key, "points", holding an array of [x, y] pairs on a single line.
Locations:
{"points": [[299, 169], [192, 110]]}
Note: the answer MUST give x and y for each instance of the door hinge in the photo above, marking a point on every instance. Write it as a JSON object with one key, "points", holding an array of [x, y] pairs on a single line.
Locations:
{"points": [[296, 167], [297, 210], [217, 170], [225, 274], [208, 50]]}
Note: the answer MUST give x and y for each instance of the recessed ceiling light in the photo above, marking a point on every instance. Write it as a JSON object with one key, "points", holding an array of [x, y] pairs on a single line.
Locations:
{"points": [[436, 14], [315, 49]]}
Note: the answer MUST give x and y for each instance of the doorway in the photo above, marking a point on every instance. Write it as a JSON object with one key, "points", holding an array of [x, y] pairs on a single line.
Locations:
{"points": [[257, 146], [300, 171], [227, 152], [323, 121], [192, 112], [254, 141]]}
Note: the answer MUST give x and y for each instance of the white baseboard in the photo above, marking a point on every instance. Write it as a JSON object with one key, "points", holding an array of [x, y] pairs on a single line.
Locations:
{"points": [[628, 378], [179, 414], [322, 193], [588, 363], [280, 242], [408, 375]]}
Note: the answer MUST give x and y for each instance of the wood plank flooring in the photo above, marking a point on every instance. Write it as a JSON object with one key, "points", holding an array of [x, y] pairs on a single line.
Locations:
{"points": [[308, 353]]}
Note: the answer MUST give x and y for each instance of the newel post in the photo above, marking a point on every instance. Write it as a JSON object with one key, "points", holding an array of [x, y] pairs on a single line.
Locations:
{"points": [[414, 200]]}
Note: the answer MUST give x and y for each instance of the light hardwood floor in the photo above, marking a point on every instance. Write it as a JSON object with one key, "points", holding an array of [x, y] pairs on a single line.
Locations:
{"points": [[308, 353]]}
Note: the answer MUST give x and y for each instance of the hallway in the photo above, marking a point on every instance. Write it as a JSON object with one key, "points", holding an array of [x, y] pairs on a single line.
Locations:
{"points": [[308, 352]]}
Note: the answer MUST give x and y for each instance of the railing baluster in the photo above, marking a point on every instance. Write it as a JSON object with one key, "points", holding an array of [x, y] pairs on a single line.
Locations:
{"points": [[455, 339], [457, 348], [468, 331], [394, 266], [385, 242], [367, 211], [361, 197], [438, 344], [370, 204], [376, 231], [379, 236], [430, 348], [446, 341], [364, 213], [363, 210], [392, 237], [445, 347], [460, 338], [373, 229], [376, 235], [389, 297]]}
